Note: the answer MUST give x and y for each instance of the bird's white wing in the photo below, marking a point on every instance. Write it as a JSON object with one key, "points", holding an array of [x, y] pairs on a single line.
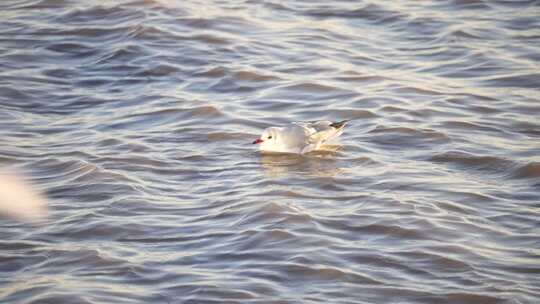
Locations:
{"points": [[322, 125], [324, 132], [315, 126], [318, 133]]}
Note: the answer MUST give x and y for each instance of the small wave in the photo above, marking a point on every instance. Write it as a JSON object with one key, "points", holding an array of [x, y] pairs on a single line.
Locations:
{"points": [[214, 72], [469, 159], [530, 170], [97, 230], [113, 15], [160, 70], [393, 109], [434, 263], [206, 111], [229, 85], [407, 137], [225, 24], [57, 169], [488, 164], [274, 213], [94, 82], [210, 39], [408, 90], [9, 94], [363, 79], [179, 116], [402, 130], [61, 73], [81, 179], [253, 76], [76, 49], [266, 239], [122, 55], [313, 273], [225, 136], [143, 32], [467, 4], [93, 34], [471, 297], [469, 126], [311, 87], [370, 12], [44, 4], [343, 113], [529, 80]]}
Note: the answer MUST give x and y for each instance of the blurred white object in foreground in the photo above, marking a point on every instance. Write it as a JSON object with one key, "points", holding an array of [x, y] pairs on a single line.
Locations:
{"points": [[18, 199]]}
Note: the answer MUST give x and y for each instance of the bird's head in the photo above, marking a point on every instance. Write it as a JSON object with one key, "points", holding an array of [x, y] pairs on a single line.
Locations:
{"points": [[268, 138]]}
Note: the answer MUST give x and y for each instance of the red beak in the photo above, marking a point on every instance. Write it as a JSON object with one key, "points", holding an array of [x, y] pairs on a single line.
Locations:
{"points": [[258, 141]]}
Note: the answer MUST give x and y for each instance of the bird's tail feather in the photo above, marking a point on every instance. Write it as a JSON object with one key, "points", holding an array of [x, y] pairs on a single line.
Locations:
{"points": [[339, 124]]}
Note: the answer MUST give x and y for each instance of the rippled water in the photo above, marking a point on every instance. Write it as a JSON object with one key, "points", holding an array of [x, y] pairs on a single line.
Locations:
{"points": [[135, 119]]}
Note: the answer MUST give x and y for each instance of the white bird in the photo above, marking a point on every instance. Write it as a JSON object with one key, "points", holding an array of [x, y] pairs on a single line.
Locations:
{"points": [[18, 199], [298, 137]]}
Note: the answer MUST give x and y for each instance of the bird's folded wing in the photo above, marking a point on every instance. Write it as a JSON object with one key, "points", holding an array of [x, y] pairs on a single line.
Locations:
{"points": [[322, 136], [314, 125]]}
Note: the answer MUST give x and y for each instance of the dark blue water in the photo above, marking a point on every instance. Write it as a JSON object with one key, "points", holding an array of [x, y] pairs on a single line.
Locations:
{"points": [[135, 119]]}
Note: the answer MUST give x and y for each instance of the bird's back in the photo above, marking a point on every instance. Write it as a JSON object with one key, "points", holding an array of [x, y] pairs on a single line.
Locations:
{"points": [[295, 136]]}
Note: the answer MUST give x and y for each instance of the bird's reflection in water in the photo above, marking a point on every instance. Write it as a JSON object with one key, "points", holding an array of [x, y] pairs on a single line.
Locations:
{"points": [[322, 163]]}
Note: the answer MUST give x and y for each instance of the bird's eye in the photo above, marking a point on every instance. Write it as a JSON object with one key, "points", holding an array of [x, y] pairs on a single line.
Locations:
{"points": [[270, 137]]}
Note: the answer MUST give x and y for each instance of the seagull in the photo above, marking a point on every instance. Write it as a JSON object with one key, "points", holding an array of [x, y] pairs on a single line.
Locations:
{"points": [[299, 137]]}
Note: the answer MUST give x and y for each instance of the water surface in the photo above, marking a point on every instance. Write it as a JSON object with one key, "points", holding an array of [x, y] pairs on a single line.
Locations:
{"points": [[135, 119]]}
